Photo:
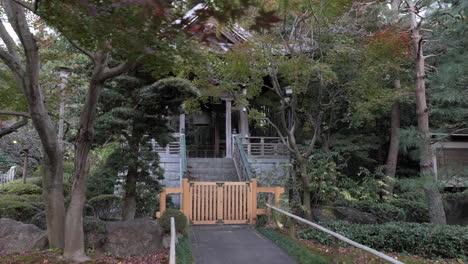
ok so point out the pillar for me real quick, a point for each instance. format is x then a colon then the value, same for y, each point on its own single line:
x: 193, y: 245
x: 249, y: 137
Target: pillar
x: 243, y: 122
x: 228, y: 129
x: 182, y: 123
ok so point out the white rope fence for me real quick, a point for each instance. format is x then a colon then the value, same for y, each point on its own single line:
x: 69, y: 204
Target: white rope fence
x: 338, y: 236
x: 172, y: 252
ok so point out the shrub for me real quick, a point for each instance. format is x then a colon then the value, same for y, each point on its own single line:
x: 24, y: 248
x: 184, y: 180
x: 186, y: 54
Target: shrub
x: 292, y: 247
x: 419, y: 239
x: 415, y: 211
x: 180, y: 219
x: 16, y: 209
x: 456, y: 195
x: 7, y: 186
x: 32, y: 198
x: 383, y: 211
x: 104, y: 206
x: 22, y: 189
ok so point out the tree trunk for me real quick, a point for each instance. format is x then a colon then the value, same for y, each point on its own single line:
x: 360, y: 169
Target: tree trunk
x: 392, y: 158
x: 305, y: 185
x: 434, y: 199
x: 74, y: 238
x: 130, y: 193
x: 132, y: 176
x: 27, y: 76
x: 25, y: 167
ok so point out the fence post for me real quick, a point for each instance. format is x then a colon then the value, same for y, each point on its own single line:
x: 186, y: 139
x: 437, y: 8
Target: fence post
x: 172, y: 254
x: 162, y: 201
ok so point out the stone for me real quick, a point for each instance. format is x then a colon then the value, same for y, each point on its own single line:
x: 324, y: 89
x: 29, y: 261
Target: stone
x: 18, y: 237
x: 133, y: 238
x: 456, y: 211
x: 39, y: 220
x: 350, y: 215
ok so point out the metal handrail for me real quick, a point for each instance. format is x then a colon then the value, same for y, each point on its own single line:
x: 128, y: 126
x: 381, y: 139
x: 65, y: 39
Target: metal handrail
x: 243, y: 167
x: 338, y: 236
x: 183, y: 157
x: 172, y: 250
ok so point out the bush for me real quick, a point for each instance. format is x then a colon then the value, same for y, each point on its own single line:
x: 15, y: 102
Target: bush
x: 419, y: 239
x: 105, y: 206
x: 32, y: 198
x: 16, y: 209
x: 383, y: 211
x: 34, y: 180
x: 180, y: 219
x: 415, y: 211
x: 292, y: 247
x: 22, y: 189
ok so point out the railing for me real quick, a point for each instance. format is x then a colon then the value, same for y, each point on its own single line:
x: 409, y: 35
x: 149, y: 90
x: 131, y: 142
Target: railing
x: 338, y: 236
x: 264, y: 146
x: 243, y: 168
x: 172, y: 149
x: 183, y: 157
x: 9, y: 176
x: 172, y: 251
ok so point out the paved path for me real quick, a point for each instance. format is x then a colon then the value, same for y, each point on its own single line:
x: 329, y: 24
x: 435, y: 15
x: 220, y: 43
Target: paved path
x: 234, y: 245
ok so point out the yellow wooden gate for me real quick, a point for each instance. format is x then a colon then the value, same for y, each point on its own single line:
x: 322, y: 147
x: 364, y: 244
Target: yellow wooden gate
x: 206, y: 203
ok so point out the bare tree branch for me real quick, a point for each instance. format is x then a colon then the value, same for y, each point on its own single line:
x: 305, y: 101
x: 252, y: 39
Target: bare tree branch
x: 14, y: 113
x: 13, y: 128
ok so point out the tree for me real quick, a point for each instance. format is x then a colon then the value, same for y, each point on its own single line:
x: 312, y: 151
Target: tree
x: 436, y: 207
x: 26, y: 72
x: 133, y: 111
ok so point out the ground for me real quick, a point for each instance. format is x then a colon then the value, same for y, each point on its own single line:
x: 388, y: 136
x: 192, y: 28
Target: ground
x: 53, y: 257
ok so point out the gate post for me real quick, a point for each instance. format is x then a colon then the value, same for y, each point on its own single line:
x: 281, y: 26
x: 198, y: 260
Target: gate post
x: 162, y: 202
x: 253, y: 201
x: 186, y: 203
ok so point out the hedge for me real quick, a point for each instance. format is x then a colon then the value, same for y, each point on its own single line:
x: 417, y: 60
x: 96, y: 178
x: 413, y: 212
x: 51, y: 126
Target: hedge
x: 22, y: 189
x: 299, y: 252
x: 16, y: 209
x: 184, y: 250
x: 104, y: 205
x: 419, y: 239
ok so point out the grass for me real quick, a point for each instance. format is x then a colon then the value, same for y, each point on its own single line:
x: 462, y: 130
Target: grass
x: 184, y: 250
x: 295, y: 249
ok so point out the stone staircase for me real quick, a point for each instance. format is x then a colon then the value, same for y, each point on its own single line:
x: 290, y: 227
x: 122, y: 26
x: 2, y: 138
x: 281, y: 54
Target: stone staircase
x: 211, y: 169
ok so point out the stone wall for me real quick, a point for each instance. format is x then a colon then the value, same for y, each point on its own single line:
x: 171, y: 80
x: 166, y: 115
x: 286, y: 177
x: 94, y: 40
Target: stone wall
x: 270, y: 171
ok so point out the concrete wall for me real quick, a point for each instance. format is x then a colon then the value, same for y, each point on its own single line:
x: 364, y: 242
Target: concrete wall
x: 270, y: 171
x: 172, y: 179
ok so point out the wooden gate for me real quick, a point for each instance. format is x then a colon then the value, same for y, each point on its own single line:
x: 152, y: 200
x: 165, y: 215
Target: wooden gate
x: 206, y: 203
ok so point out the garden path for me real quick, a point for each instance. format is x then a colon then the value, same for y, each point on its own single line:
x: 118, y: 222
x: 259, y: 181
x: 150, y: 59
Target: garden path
x: 234, y: 244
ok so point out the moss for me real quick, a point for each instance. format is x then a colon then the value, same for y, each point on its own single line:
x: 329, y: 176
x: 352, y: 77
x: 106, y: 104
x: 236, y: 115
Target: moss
x: 328, y: 212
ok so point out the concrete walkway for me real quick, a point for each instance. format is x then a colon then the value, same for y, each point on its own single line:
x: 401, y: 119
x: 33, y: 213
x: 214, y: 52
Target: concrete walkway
x: 234, y: 245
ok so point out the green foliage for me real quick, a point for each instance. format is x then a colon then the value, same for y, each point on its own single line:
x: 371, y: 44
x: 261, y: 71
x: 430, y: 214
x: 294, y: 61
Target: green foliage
x: 384, y: 212
x: 455, y: 195
x: 420, y: 239
x: 415, y: 211
x: 17, y: 210
x: 291, y: 247
x: 7, y: 186
x: 181, y: 222
x: 104, y: 205
x: 147, y: 201
x: 184, y: 250
x: 28, y: 188
x: 95, y: 232
x: 262, y: 220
